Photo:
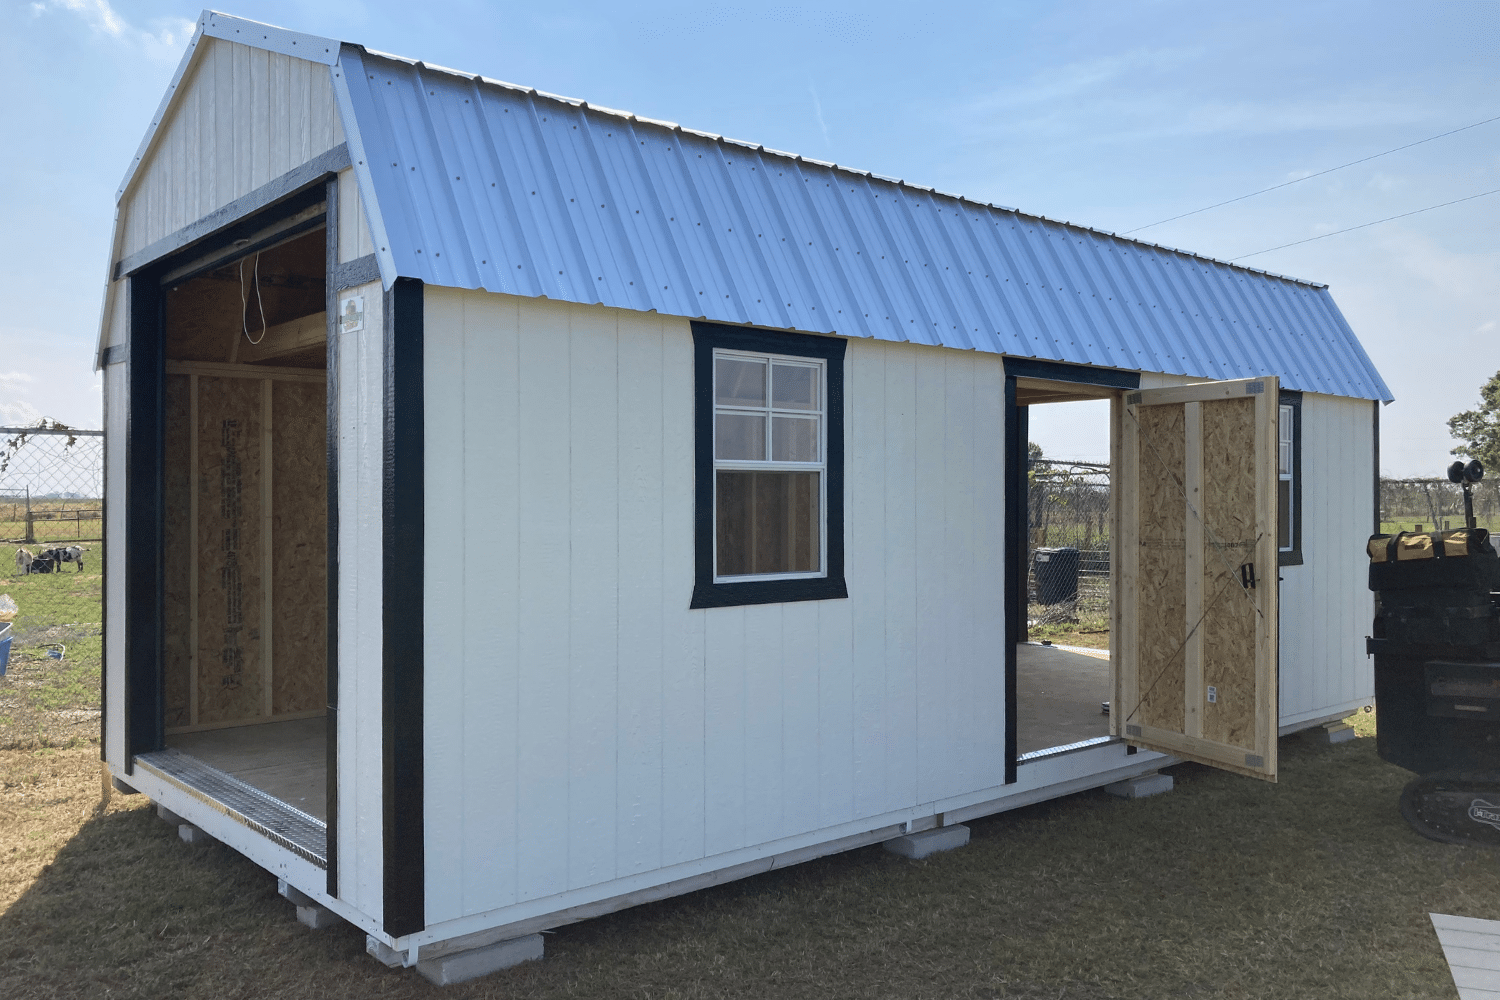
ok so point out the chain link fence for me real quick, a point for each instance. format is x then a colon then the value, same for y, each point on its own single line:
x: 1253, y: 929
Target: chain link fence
x: 1068, y: 526
x: 51, y: 583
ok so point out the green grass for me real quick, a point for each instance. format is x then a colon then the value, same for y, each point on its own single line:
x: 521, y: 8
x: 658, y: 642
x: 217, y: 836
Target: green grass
x: 46, y: 701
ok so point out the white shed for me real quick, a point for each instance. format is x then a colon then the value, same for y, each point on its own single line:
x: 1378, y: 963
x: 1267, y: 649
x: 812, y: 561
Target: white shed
x: 518, y: 509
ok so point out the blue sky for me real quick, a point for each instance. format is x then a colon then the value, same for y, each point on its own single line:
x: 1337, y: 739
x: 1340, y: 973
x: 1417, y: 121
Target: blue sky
x: 1113, y: 115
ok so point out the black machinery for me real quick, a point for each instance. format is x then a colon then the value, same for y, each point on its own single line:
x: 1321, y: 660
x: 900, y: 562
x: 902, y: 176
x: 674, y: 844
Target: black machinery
x: 1436, y: 644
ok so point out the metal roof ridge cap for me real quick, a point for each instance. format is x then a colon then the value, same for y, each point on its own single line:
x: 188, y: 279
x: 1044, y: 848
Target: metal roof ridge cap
x: 216, y: 23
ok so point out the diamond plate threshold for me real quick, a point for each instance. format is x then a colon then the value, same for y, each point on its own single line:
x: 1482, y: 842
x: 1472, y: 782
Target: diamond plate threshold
x: 303, y: 835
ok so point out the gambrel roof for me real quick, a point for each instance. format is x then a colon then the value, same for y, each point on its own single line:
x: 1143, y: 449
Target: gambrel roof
x: 472, y: 183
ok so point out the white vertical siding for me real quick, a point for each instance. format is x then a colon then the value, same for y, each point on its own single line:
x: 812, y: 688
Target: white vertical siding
x: 241, y: 118
x: 354, y: 227
x: 1326, y: 605
x: 116, y: 409
x: 361, y: 606
x: 582, y: 724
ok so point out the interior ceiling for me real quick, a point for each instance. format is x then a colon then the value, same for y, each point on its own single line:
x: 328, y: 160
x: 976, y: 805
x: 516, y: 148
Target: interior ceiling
x: 1032, y: 391
x: 215, y: 316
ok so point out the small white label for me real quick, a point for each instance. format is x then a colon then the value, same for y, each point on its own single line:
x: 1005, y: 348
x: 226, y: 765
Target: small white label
x: 1213, y: 695
x: 352, y: 314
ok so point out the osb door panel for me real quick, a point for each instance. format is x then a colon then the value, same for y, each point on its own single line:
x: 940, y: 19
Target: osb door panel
x: 1195, y: 659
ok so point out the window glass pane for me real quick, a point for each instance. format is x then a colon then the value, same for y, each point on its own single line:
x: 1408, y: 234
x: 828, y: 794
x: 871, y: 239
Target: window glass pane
x: 1284, y: 502
x: 1286, y: 459
x: 794, y: 387
x: 1285, y: 425
x: 739, y: 382
x: 740, y: 436
x: 794, y: 439
x: 767, y: 522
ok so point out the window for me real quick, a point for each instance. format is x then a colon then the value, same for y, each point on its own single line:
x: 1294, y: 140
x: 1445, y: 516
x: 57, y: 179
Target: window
x: 1289, y: 479
x: 769, y: 467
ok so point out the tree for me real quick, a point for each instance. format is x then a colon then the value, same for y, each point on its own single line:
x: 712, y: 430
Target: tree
x: 1479, y: 430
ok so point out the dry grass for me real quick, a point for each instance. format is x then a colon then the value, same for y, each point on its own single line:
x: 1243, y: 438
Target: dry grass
x: 1227, y: 888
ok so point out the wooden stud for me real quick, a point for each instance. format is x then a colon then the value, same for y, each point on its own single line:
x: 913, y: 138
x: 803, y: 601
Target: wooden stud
x: 267, y: 551
x: 219, y: 369
x: 1192, y: 687
x: 193, y: 487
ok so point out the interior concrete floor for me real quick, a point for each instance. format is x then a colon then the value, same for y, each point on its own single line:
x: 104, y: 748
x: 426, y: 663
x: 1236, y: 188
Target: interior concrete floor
x: 288, y: 760
x: 1058, y: 695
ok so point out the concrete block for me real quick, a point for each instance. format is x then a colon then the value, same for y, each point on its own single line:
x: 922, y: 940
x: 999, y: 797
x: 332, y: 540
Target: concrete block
x: 315, y: 916
x: 383, y: 953
x: 121, y: 787
x: 168, y: 816
x: 293, y: 894
x: 1333, y: 732
x: 1141, y: 786
x: 927, y: 842
x: 461, y: 966
x: 191, y: 834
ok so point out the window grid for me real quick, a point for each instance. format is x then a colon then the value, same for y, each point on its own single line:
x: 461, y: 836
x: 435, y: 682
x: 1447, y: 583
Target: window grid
x: 1284, y: 475
x: 770, y: 412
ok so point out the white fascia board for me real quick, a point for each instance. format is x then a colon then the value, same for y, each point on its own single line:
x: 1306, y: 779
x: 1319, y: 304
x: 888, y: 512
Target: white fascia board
x: 107, y: 309
x: 361, y: 165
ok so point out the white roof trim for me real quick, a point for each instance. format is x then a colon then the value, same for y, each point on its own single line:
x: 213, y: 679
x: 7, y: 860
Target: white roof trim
x: 357, y: 160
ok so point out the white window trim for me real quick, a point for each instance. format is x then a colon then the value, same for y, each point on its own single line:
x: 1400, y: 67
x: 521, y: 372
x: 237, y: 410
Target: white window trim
x: 770, y: 465
x: 1286, y: 435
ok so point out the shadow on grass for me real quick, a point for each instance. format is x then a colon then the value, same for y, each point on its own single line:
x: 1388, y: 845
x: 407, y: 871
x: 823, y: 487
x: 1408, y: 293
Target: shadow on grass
x: 1227, y: 887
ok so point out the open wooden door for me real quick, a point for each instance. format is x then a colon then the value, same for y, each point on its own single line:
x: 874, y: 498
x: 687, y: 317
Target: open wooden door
x: 1194, y: 647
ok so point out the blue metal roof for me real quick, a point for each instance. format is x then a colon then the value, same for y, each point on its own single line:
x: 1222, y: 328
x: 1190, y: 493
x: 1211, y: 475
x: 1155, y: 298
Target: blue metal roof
x: 475, y: 184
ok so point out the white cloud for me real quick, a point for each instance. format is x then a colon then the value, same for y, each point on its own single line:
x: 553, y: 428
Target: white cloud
x: 164, y: 40
x: 18, y: 413
x: 8, y: 377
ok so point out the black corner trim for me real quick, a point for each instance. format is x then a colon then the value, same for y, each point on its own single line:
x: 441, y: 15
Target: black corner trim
x: 145, y: 377
x: 296, y: 181
x: 1059, y: 371
x: 707, y: 593
x: 403, y: 523
x: 331, y: 750
x: 1375, y: 527
x: 1293, y: 556
x: 361, y: 271
x: 1015, y: 561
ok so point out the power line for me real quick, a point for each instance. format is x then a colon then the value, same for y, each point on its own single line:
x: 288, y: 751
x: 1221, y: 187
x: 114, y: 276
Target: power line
x: 1367, y: 225
x: 1320, y: 173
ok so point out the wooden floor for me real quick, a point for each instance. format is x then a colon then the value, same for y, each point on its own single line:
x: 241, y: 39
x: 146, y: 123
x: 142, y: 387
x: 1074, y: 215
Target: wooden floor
x: 286, y: 759
x: 1058, y: 696
x: 1472, y: 948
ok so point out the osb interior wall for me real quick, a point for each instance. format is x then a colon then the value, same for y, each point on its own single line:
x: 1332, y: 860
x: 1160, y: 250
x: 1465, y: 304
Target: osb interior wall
x: 299, y: 566
x: 229, y: 668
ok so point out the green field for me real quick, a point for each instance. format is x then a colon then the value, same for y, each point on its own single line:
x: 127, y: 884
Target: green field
x: 46, y: 701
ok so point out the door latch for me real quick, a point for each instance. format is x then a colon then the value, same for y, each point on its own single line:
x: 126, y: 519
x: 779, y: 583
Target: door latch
x: 1247, y: 576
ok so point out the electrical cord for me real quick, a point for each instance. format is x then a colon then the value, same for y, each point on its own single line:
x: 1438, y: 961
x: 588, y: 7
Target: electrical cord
x: 1367, y: 225
x: 1320, y: 173
x: 244, y: 304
